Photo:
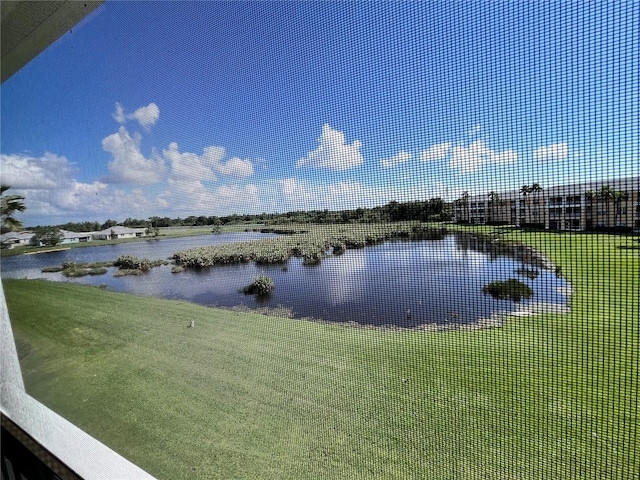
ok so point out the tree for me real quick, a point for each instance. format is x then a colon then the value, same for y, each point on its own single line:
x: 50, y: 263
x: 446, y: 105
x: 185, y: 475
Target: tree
x: 589, y: 194
x: 464, y: 202
x: 494, y: 199
x: 10, y: 205
x: 536, y: 189
x: 152, y: 226
x: 606, y: 193
x: 108, y: 224
x: 618, y: 198
x: 49, y: 236
x: 524, y: 191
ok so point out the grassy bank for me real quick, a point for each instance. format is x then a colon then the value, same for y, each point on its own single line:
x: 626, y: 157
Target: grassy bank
x: 248, y: 396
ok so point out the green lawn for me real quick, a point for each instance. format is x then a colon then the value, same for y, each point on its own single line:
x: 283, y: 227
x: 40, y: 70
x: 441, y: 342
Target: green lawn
x: 249, y: 396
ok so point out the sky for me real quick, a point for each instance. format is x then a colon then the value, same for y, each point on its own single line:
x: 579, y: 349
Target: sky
x: 215, y: 108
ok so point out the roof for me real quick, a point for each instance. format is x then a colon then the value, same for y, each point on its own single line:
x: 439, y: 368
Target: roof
x: 68, y: 234
x: 119, y: 230
x: 16, y: 235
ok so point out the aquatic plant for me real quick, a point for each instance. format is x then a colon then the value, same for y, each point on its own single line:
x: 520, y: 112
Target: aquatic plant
x: 511, y: 289
x: 127, y: 271
x: 127, y: 262
x: 51, y: 269
x: 261, y: 286
x: 312, y: 242
x: 81, y: 271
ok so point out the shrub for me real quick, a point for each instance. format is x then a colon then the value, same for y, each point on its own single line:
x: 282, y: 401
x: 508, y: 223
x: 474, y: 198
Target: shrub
x: 312, y: 258
x: 51, y: 269
x: 97, y: 271
x: 511, y: 289
x: 260, y: 286
x: 177, y: 269
x: 75, y: 272
x: 127, y: 271
x: 126, y: 262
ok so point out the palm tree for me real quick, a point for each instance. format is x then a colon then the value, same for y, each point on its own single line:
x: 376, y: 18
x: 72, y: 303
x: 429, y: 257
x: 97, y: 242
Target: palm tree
x: 618, y: 198
x: 589, y: 194
x: 494, y: 199
x: 536, y: 189
x: 524, y: 191
x: 606, y: 193
x: 464, y: 201
x: 10, y: 205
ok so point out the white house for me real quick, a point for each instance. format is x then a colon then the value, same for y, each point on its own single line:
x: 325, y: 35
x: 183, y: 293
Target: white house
x: 119, y: 232
x: 75, y: 237
x: 14, y: 239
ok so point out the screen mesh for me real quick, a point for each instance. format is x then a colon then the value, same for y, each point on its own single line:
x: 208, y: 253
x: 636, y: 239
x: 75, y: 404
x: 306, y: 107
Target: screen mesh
x: 333, y: 239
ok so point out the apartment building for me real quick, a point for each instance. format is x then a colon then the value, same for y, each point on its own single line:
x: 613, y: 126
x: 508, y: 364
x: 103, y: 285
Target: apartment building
x: 577, y: 207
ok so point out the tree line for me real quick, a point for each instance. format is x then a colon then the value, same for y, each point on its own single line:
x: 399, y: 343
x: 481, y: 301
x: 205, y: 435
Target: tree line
x: 434, y: 209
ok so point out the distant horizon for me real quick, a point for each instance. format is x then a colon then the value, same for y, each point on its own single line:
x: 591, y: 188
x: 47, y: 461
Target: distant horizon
x: 261, y: 107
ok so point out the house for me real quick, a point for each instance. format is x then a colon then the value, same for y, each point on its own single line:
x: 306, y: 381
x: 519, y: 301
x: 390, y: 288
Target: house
x: 15, y: 239
x: 119, y: 232
x: 75, y: 237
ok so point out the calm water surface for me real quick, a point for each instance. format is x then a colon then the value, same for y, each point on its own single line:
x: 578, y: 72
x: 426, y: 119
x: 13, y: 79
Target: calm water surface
x: 404, y: 283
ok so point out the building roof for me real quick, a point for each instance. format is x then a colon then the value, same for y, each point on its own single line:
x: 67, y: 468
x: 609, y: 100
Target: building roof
x: 119, y: 230
x: 70, y: 235
x: 9, y: 236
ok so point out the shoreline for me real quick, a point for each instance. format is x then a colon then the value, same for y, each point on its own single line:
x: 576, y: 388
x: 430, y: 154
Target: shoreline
x: 46, y: 251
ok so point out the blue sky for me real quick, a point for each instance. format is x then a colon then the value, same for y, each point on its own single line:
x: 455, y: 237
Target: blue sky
x: 178, y: 109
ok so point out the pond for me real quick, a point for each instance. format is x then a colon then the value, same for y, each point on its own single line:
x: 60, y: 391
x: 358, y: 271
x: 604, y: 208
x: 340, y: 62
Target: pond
x: 400, y: 283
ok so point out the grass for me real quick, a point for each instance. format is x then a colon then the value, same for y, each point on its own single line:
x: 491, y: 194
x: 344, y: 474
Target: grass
x: 245, y: 395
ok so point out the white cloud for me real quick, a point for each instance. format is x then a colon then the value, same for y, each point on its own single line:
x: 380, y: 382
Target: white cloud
x: 506, y: 157
x: 557, y: 151
x: 475, y: 156
x: 296, y: 194
x: 146, y: 116
x: 236, y: 167
x: 53, y: 195
x: 192, y: 167
x: 25, y: 172
x: 119, y: 115
x: 187, y: 193
x: 129, y: 166
x: 436, y: 152
x: 333, y: 153
x: 193, y: 198
x: 396, y: 160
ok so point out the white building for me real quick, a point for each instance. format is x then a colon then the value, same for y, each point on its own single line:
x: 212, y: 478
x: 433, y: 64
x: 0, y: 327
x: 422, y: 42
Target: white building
x: 119, y: 232
x: 15, y: 239
x: 75, y: 237
x: 579, y: 206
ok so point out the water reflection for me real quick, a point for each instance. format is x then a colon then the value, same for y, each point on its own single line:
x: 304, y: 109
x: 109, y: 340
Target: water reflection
x: 345, y: 280
x: 403, y: 283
